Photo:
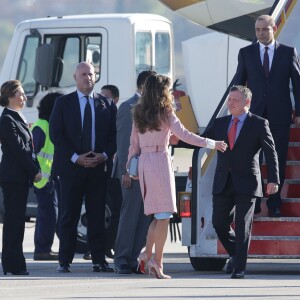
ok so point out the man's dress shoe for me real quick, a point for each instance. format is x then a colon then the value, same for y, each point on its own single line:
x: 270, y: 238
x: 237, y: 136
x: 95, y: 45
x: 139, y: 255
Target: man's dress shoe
x: 102, y: 267
x: 64, y: 268
x: 123, y: 269
x: 229, y: 267
x: 236, y: 274
x: 19, y: 273
x: 274, y: 213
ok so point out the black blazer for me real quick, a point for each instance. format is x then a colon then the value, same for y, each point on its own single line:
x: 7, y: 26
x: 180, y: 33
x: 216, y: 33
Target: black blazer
x: 272, y: 94
x: 243, y: 161
x: 17, y: 164
x: 66, y: 131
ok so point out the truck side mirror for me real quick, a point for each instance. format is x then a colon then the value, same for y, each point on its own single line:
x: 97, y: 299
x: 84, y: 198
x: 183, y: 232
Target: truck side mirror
x: 44, y: 62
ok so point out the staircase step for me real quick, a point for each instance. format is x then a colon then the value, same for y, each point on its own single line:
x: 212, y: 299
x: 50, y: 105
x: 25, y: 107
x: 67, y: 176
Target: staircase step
x: 284, y: 226
x: 294, y: 151
x: 279, y: 245
x: 270, y: 246
x: 292, y: 170
x: 291, y: 189
x: 290, y: 207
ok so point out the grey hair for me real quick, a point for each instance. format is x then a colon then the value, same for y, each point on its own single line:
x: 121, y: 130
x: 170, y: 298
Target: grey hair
x: 246, y: 93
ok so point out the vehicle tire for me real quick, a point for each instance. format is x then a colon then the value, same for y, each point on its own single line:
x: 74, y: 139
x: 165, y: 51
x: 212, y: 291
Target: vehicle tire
x: 207, y: 263
x: 81, y: 243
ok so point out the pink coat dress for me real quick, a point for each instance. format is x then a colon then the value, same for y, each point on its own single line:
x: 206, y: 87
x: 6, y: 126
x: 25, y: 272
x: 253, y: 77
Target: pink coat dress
x: 156, y: 174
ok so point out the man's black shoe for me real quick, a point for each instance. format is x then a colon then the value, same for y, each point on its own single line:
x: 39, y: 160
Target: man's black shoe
x: 64, y: 268
x: 87, y: 256
x: 123, y: 269
x: 274, y: 213
x: 237, y: 274
x: 102, y: 267
x: 229, y: 267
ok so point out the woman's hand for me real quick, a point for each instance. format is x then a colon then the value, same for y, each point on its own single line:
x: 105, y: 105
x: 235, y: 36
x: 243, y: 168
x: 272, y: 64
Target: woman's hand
x: 221, y: 146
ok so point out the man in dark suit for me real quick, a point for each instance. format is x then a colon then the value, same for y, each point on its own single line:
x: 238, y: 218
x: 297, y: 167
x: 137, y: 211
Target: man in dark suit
x: 133, y: 223
x: 267, y: 73
x: 237, y: 180
x: 114, y: 193
x: 83, y: 131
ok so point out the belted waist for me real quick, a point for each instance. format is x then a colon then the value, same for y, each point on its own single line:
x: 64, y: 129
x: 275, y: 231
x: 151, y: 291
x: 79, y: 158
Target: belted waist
x: 157, y: 148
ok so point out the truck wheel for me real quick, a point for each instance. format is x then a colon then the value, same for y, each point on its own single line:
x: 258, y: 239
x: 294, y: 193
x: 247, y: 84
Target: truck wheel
x: 81, y: 243
x: 207, y: 263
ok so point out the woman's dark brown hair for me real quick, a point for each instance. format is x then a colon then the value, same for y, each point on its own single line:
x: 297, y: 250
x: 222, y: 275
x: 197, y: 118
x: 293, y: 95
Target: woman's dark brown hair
x: 154, y: 105
x: 9, y: 89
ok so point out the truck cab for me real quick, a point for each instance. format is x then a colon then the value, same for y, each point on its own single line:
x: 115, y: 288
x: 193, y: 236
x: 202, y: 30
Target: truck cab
x: 44, y: 52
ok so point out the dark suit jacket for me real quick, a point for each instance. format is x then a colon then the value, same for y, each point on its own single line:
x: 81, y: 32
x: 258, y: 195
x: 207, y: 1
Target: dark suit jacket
x: 17, y: 164
x: 271, y: 94
x: 66, y: 131
x: 243, y: 161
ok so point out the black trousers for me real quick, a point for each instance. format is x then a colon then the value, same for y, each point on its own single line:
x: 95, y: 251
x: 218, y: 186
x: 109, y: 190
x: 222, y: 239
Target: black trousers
x: 88, y: 184
x: 14, y: 201
x: 236, y: 242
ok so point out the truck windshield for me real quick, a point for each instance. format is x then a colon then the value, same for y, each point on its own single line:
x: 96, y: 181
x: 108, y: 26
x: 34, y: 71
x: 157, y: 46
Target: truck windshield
x: 66, y: 52
x: 162, y: 53
x: 147, y: 44
x: 143, y: 52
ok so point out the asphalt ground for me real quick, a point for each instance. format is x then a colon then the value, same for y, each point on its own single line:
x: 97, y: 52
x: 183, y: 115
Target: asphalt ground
x: 265, y: 279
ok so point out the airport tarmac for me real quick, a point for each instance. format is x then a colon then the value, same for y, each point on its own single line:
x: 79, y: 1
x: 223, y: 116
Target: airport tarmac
x: 265, y: 279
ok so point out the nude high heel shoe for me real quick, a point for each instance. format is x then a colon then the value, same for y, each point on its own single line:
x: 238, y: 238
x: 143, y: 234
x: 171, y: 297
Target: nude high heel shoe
x: 155, y: 271
x: 143, y: 262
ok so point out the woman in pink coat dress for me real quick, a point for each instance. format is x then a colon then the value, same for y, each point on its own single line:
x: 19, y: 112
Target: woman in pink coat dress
x: 154, y: 122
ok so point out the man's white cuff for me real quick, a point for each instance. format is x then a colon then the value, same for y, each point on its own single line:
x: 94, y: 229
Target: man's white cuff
x: 74, y: 157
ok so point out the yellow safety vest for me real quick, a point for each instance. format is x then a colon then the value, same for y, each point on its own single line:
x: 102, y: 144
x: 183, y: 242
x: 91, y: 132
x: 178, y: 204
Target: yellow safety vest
x: 45, y: 156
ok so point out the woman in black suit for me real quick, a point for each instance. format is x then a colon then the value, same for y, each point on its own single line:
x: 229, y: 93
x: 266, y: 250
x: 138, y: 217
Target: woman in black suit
x: 18, y: 170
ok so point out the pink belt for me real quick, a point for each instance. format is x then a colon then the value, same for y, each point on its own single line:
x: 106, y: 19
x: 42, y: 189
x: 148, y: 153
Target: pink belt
x: 158, y: 148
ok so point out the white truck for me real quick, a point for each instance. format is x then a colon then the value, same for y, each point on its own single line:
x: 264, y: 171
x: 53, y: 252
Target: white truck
x: 44, y: 52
